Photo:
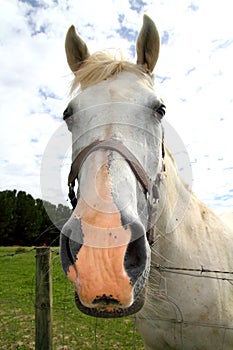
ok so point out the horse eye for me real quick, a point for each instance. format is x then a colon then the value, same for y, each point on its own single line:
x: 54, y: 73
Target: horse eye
x: 67, y: 117
x: 161, y: 110
x: 67, y: 112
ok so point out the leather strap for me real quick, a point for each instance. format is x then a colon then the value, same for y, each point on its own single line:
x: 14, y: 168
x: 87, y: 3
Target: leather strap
x: 113, y: 145
x: 150, y: 187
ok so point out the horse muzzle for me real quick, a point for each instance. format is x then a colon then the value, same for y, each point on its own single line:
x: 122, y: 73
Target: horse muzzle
x: 109, y: 268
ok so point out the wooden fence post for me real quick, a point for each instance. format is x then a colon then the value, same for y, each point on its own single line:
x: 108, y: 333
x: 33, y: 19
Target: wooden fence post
x: 43, y: 302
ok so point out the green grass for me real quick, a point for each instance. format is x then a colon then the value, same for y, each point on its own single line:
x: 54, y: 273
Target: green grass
x: 72, y: 330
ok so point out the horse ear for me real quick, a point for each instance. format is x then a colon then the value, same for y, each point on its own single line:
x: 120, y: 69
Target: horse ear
x: 148, y: 44
x: 76, y: 49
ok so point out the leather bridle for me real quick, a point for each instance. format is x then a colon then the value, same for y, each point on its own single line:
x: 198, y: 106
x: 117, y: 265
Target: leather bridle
x: 150, y: 187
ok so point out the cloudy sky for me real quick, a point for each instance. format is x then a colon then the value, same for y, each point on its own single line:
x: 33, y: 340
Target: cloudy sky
x: 194, y: 77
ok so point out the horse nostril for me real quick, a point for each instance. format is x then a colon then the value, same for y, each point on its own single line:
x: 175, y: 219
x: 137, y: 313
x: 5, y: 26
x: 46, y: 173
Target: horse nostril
x: 105, y: 300
x: 135, y: 259
x: 71, y: 241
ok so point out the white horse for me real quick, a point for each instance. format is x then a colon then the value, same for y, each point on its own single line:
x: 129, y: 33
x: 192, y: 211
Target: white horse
x: 135, y: 223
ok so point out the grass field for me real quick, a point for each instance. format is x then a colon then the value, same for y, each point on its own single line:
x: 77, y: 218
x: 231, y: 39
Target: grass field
x: 71, y: 329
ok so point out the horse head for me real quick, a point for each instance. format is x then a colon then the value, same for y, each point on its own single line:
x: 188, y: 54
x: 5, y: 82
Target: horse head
x: 117, y: 140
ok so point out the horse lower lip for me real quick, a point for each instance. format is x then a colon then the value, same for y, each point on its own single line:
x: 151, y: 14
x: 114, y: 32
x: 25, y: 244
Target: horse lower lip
x: 111, y: 311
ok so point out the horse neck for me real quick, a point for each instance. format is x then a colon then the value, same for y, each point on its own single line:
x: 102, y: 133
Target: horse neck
x: 185, y: 224
x: 175, y: 199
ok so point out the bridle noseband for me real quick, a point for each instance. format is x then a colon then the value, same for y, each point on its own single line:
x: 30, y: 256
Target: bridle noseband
x: 112, y: 145
x: 150, y: 187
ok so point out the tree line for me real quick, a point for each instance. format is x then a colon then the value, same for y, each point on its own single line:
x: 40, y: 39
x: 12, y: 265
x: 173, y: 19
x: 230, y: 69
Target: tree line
x: 25, y: 221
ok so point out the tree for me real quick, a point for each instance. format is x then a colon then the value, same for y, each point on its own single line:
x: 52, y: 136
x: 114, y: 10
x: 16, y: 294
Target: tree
x: 7, y: 216
x: 48, y: 230
x: 28, y: 221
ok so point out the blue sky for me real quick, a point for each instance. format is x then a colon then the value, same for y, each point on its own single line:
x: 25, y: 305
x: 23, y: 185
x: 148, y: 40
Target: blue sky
x: 194, y: 77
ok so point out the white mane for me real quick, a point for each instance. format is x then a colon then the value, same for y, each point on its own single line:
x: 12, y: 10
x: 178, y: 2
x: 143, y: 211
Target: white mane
x: 102, y: 65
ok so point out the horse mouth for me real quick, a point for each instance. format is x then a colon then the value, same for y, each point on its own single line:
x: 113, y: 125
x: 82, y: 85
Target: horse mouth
x: 111, y: 309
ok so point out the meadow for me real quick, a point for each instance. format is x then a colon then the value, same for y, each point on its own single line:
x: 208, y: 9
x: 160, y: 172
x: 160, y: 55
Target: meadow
x: 72, y: 330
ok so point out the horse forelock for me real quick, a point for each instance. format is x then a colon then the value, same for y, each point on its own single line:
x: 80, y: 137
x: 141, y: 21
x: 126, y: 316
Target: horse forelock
x: 102, y: 65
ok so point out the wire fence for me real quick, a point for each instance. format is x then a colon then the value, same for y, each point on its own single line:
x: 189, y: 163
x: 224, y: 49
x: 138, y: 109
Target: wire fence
x: 71, y: 329
x: 222, y: 328
x: 189, y: 272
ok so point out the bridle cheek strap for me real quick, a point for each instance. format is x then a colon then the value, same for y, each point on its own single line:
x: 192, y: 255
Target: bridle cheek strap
x: 150, y: 187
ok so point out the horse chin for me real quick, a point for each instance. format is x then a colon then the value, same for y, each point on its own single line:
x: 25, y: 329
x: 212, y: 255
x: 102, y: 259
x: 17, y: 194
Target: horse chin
x: 111, y: 311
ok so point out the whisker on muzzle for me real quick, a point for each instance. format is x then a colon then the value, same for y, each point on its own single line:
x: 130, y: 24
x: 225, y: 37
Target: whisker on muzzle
x: 105, y: 300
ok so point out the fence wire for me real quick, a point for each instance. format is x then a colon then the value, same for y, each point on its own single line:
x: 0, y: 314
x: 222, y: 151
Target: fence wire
x: 71, y: 328
x: 188, y: 272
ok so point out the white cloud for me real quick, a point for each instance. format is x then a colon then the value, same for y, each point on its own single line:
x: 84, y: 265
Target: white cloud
x: 197, y: 59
